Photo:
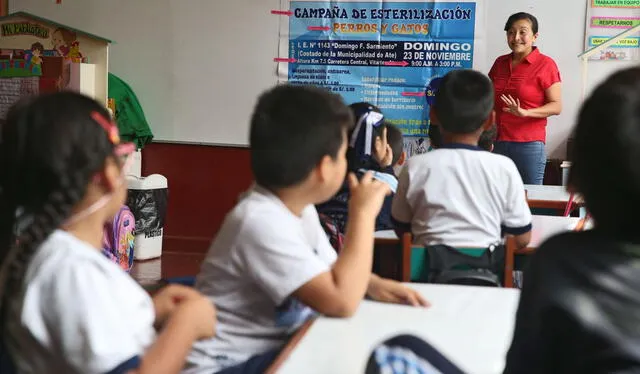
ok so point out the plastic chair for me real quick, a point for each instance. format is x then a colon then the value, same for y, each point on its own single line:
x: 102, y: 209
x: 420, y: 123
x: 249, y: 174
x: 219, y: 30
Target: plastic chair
x: 400, y: 260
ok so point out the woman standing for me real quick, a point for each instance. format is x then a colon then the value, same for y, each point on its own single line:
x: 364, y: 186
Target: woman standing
x: 527, y: 91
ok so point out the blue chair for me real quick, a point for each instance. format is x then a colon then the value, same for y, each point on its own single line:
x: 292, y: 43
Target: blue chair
x: 189, y: 281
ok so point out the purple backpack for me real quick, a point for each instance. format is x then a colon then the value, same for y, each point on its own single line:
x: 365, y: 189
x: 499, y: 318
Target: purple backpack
x: 118, y: 238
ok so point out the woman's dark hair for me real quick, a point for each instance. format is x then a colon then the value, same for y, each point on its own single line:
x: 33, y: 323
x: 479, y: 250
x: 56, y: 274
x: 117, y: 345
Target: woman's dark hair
x: 605, y: 154
x: 356, y: 160
x: 50, y: 148
x: 520, y: 16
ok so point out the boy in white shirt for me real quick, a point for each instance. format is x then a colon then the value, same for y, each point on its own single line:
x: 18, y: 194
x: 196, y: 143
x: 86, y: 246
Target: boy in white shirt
x: 271, y: 266
x: 459, y: 194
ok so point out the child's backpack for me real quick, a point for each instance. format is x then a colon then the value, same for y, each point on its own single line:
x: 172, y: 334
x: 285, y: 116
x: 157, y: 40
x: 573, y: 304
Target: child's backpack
x: 336, y: 238
x: 118, y: 238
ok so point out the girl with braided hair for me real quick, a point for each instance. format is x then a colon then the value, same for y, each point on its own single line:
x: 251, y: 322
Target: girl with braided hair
x: 65, y: 308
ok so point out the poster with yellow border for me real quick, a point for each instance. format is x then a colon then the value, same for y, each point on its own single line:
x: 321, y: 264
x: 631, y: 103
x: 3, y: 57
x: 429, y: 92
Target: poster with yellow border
x: 607, y: 18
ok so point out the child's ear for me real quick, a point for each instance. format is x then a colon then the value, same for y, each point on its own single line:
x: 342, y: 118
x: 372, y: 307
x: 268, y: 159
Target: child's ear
x: 488, y: 123
x: 402, y: 159
x: 111, y: 175
x: 323, y: 169
x: 433, y: 117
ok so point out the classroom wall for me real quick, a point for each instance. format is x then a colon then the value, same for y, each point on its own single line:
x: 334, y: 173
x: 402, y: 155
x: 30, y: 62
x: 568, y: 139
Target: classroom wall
x: 204, y: 181
x: 204, y: 184
x: 561, y: 36
x: 188, y: 61
x: 141, y: 52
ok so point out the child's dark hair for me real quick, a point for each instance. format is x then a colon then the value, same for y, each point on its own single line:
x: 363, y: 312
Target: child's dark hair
x: 463, y: 101
x: 435, y: 136
x: 520, y: 16
x: 487, y: 138
x: 50, y: 148
x: 292, y: 128
x: 394, y: 139
x: 605, y: 167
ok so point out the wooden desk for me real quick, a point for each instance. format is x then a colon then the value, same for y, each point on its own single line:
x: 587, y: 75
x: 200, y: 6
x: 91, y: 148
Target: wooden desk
x: 543, y: 227
x: 392, y: 259
x: 548, y: 197
x: 472, y: 326
x: 172, y: 264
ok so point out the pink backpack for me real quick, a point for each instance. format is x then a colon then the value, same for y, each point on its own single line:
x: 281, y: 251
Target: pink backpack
x: 118, y: 238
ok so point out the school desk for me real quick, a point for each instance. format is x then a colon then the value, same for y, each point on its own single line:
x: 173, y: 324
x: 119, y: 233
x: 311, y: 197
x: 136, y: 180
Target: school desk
x: 472, y: 326
x: 151, y: 273
x: 549, y: 197
x: 395, y: 260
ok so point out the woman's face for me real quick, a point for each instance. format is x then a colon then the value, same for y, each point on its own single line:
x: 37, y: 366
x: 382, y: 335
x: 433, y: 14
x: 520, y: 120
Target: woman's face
x: 520, y: 36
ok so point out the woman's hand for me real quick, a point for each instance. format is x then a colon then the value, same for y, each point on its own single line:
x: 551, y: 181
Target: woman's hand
x: 513, y: 106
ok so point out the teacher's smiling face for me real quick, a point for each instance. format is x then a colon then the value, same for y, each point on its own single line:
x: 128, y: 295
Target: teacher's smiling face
x: 521, y: 36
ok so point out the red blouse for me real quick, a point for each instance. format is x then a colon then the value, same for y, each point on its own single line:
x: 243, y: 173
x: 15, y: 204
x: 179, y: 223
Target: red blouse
x: 527, y: 82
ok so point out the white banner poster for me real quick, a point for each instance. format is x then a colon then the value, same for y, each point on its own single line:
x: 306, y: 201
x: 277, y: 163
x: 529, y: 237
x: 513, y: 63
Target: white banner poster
x: 607, y: 18
x: 390, y: 53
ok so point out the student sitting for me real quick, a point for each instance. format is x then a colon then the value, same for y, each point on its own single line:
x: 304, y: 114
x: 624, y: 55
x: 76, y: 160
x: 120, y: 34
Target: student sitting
x: 459, y: 195
x: 271, y: 266
x: 66, y: 308
x: 579, y: 309
x: 383, y: 154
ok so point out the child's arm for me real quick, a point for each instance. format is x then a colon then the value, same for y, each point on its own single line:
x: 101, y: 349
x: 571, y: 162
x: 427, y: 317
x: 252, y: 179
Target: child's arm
x: 522, y: 240
x: 401, y: 212
x: 517, y: 216
x: 167, y: 300
x: 105, y: 326
x: 192, y: 320
x: 338, y: 292
x: 391, y: 291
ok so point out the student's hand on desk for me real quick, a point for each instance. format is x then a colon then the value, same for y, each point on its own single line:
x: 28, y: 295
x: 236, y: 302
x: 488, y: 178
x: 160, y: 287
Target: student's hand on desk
x: 168, y: 298
x: 390, y: 291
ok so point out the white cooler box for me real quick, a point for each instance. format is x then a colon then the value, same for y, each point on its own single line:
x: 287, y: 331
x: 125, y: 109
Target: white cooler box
x: 147, y: 244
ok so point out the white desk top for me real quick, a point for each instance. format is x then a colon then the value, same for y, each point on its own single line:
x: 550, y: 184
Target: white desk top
x: 548, y: 193
x: 544, y: 227
x: 385, y: 234
x: 472, y: 326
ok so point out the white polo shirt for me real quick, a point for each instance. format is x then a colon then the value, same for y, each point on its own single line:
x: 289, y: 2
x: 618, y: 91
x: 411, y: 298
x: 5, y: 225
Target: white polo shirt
x: 80, y: 313
x: 461, y: 196
x: 261, y: 255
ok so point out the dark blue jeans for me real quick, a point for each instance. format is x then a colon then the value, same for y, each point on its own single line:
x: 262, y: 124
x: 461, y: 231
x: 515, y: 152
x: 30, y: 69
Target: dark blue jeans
x: 529, y: 158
